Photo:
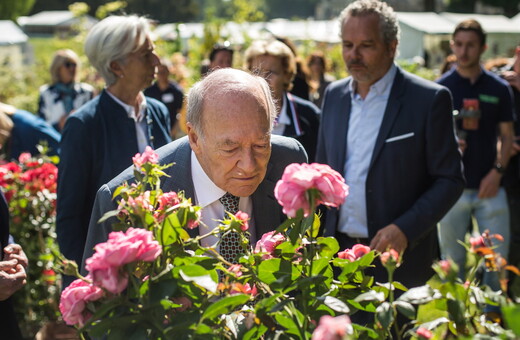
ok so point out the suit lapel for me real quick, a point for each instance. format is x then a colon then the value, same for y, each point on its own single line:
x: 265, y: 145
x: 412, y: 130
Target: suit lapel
x: 265, y: 207
x: 391, y: 112
x: 341, y: 130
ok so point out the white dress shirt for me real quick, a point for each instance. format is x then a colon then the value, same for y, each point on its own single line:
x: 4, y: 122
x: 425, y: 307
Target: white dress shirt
x: 207, y: 196
x: 365, y: 120
x: 141, y: 128
x: 282, y: 120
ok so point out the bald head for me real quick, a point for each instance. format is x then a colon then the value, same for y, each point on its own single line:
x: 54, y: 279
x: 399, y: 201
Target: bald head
x: 224, y: 86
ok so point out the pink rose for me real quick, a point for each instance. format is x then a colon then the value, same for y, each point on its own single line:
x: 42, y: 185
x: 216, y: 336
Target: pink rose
x: 168, y: 200
x: 445, y: 266
x: 357, y: 251
x: 268, y: 243
x: 332, y: 328
x: 239, y: 288
x: 148, y: 156
x: 243, y: 217
x: 392, y: 255
x: 297, y: 179
x: 111, y: 279
x: 477, y: 242
x: 424, y: 333
x: 149, y: 249
x: 24, y: 157
x: 74, y: 299
x: 236, y: 269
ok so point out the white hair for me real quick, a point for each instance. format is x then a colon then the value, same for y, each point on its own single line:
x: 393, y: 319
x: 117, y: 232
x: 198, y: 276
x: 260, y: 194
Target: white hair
x: 113, y: 39
x: 222, y: 82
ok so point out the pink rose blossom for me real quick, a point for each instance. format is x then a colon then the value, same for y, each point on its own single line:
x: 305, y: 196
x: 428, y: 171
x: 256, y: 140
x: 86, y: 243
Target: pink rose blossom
x: 424, y: 333
x: 168, y: 200
x: 268, y: 243
x: 332, y: 328
x: 387, y: 255
x: 239, y: 288
x: 120, y: 249
x: 24, y: 157
x: 445, y: 266
x: 244, y: 217
x: 148, y: 156
x: 357, y: 251
x: 74, y: 299
x: 236, y: 269
x: 297, y: 179
x: 477, y: 242
x: 111, y: 279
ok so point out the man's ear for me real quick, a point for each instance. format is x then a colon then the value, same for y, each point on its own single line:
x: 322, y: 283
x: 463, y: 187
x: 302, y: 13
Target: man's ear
x: 193, y: 137
x: 452, y: 43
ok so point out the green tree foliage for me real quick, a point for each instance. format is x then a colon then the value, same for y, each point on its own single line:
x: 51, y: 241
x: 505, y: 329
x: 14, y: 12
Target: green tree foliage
x: 12, y: 9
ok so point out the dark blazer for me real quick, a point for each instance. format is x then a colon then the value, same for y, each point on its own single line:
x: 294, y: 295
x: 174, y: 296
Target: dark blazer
x: 267, y: 213
x: 309, y: 120
x: 8, y: 323
x: 98, y: 142
x: 412, y: 181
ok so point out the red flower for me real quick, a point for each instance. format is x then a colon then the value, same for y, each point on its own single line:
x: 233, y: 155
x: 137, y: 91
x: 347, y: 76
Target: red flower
x: 424, y: 333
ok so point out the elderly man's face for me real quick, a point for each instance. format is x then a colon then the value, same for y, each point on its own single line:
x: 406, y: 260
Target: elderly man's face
x: 366, y: 55
x: 235, y: 147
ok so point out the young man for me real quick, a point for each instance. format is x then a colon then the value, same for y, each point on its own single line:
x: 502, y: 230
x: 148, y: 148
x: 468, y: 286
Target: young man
x: 484, y: 102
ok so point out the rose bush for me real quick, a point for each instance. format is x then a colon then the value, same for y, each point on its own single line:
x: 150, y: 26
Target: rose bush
x: 293, y: 284
x: 29, y: 185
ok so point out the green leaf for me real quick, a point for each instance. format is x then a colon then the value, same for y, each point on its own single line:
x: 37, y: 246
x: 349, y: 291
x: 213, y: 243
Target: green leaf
x: 107, y: 215
x: 225, y: 305
x: 288, y: 323
x: 191, y: 274
x: 406, y: 308
x: 385, y: 314
x: 371, y: 296
x: 315, y: 230
x: 362, y: 329
x: 277, y: 272
x: 328, y: 247
x: 256, y: 332
x: 419, y: 295
x: 435, y: 323
x: 162, y: 289
x: 335, y: 304
x: 512, y: 318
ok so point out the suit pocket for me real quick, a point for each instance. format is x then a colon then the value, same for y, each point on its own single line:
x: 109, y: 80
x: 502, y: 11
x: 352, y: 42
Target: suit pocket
x: 400, y: 137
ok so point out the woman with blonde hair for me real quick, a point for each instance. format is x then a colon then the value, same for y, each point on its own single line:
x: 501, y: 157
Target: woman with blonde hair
x: 297, y: 117
x: 65, y: 94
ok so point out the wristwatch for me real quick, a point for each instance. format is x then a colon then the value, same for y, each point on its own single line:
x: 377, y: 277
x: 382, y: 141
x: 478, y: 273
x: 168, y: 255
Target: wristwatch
x: 499, y: 168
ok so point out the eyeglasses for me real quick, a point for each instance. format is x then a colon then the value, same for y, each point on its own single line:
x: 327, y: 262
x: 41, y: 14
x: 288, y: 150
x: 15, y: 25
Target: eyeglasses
x: 69, y: 64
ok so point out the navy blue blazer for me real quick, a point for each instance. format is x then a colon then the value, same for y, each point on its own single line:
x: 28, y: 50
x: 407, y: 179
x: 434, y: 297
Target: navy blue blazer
x: 98, y: 142
x: 413, y: 180
x: 308, y: 116
x: 267, y: 213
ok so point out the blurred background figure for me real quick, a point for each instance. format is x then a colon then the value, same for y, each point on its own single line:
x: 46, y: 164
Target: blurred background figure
x: 509, y: 69
x: 448, y: 63
x: 100, y: 139
x: 300, y: 82
x: 168, y: 92
x: 65, y: 94
x: 221, y: 56
x: 297, y: 117
x: 21, y: 131
x: 319, y: 80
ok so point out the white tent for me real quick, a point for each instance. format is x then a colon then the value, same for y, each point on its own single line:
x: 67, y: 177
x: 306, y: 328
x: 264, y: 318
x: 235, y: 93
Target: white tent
x: 13, y: 45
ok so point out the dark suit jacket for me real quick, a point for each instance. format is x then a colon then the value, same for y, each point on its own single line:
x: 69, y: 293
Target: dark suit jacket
x: 8, y: 323
x: 411, y: 182
x: 267, y: 213
x: 309, y: 120
x: 98, y: 142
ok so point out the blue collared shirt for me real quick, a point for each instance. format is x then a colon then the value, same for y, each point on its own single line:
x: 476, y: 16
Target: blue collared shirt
x: 366, y: 116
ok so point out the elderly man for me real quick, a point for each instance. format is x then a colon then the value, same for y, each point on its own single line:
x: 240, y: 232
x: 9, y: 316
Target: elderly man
x: 229, y: 152
x: 391, y: 134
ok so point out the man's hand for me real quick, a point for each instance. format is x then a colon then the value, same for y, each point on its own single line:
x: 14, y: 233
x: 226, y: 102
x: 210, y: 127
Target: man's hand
x: 512, y: 78
x: 12, y: 278
x: 389, y: 237
x: 15, y: 251
x: 489, y: 185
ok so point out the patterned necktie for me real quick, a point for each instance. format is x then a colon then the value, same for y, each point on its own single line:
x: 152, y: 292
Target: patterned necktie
x: 230, y: 246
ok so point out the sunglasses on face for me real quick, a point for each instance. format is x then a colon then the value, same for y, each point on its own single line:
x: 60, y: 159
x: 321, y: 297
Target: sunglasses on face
x: 70, y: 64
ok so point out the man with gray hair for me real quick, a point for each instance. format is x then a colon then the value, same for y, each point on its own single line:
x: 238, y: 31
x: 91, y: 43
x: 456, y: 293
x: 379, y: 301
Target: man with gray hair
x: 391, y: 134
x: 228, y: 152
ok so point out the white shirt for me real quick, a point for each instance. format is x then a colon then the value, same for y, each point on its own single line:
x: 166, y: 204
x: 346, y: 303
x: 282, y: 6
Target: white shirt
x: 141, y: 128
x: 207, y: 196
x: 366, y: 116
